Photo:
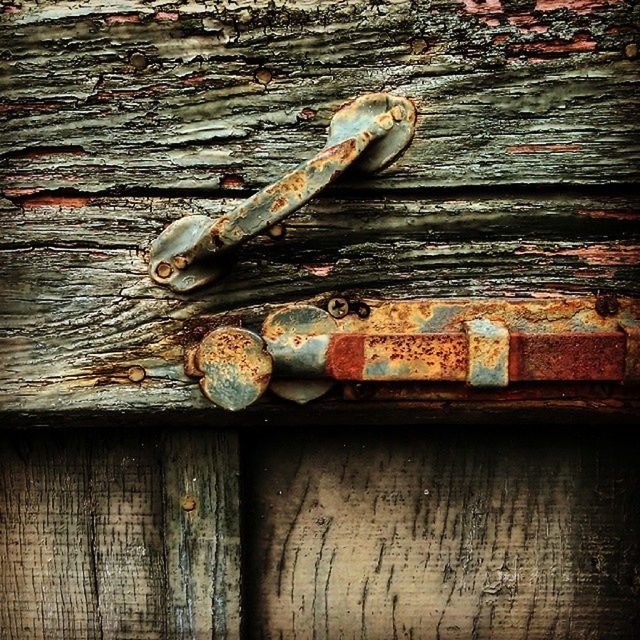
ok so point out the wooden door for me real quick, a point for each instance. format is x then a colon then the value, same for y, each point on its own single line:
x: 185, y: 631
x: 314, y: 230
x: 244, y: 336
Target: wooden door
x: 132, y: 508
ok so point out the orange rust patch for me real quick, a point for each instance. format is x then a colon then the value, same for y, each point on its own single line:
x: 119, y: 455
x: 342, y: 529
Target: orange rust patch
x: 569, y: 356
x: 232, y: 181
x: 345, y: 357
x: 543, y: 148
x: 54, y: 201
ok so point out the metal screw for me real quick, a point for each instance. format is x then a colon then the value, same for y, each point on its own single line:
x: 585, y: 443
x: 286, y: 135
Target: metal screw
x: 362, y: 310
x: 631, y: 51
x: 607, y: 304
x: 138, y: 60
x: 338, y: 307
x: 164, y: 270
x: 136, y: 374
x: 277, y: 231
x: 188, y: 503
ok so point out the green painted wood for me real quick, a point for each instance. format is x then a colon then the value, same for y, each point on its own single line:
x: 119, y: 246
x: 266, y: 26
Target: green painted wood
x: 100, y: 96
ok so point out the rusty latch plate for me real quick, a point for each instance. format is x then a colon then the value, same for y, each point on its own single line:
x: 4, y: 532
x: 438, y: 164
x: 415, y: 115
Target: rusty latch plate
x: 304, y: 349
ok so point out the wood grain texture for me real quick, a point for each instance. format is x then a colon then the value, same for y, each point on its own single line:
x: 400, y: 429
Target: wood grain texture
x: 135, y: 94
x: 201, y: 535
x: 92, y: 536
x: 435, y: 535
x: 79, y: 309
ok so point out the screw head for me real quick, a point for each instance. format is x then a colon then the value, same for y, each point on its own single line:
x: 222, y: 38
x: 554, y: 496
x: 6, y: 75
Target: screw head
x: 338, y: 307
x: 164, y: 270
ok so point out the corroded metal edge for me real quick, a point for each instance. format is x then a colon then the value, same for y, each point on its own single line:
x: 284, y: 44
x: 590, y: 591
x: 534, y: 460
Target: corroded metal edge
x: 483, y: 342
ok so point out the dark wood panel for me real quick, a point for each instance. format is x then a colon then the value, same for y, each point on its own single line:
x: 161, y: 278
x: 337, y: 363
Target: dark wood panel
x: 464, y: 533
x: 100, y: 96
x: 98, y: 540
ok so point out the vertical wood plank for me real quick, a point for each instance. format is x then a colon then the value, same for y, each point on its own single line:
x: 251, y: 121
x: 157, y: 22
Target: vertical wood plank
x: 202, y: 534
x: 127, y: 547
x: 409, y: 535
x: 47, y: 574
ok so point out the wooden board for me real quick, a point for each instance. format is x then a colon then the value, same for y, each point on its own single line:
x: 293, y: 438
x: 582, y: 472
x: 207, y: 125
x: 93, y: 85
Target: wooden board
x: 97, y: 541
x: 458, y: 533
x: 79, y: 309
x: 139, y: 95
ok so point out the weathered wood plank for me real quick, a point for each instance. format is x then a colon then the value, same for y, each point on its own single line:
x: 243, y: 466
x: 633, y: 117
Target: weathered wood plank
x: 100, y: 96
x: 371, y: 535
x: 202, y: 535
x: 94, y: 542
x: 79, y: 309
x: 48, y: 572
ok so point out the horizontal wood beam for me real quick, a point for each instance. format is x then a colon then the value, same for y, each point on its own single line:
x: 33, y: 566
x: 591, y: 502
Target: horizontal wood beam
x: 100, y: 97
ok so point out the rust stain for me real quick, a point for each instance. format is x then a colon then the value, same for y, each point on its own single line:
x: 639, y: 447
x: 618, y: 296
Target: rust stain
x: 231, y: 181
x: 195, y: 79
x: 32, y: 202
x: 569, y: 356
x: 345, y: 357
x: 544, y: 148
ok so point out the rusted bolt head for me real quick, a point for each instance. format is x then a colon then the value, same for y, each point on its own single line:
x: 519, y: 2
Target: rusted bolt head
x: 164, y: 270
x: 631, y: 50
x: 307, y: 114
x: 136, y: 373
x: 277, y: 231
x: 607, y: 304
x: 263, y: 76
x: 188, y: 503
x: 182, y: 262
x: 338, y: 307
x: 398, y: 113
x: 362, y: 310
x: 138, y: 60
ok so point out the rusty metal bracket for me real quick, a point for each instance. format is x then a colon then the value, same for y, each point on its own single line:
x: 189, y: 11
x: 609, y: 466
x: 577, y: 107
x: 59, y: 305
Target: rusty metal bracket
x: 483, y: 343
x: 368, y: 133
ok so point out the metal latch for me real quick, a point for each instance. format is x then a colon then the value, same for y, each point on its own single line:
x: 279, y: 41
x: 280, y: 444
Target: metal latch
x: 368, y: 134
x: 483, y: 343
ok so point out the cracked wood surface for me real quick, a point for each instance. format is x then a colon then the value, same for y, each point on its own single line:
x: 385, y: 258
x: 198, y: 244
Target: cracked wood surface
x: 97, y: 543
x: 368, y: 534
x: 79, y: 309
x: 142, y: 94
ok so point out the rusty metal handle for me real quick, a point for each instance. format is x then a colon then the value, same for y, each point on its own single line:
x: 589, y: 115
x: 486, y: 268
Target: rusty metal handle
x: 370, y: 133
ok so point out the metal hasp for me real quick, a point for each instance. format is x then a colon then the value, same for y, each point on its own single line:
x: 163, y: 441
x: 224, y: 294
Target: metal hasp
x: 482, y: 343
x: 367, y: 134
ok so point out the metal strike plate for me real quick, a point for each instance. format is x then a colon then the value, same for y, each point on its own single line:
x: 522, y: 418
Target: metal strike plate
x: 481, y: 343
x: 368, y: 134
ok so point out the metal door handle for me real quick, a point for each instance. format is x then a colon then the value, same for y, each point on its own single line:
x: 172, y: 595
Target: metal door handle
x: 370, y: 133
